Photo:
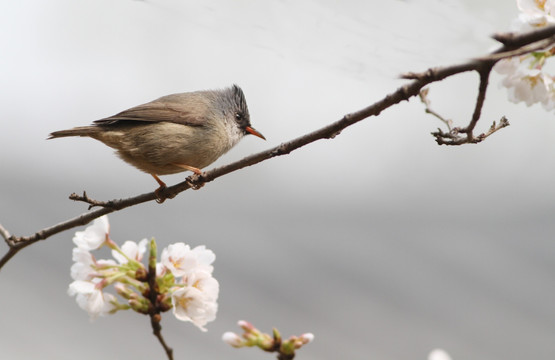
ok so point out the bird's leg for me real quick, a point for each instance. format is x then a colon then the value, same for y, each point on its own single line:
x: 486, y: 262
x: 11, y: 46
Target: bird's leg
x: 190, y: 168
x: 159, y: 199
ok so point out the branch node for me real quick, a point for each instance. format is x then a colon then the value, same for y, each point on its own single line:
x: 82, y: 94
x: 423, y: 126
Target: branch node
x: 504, y: 38
x: 92, y: 203
x: 421, y: 76
x: 282, y: 149
x: 334, y: 134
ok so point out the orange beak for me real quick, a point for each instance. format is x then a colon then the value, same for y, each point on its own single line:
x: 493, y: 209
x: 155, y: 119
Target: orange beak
x: 254, y: 132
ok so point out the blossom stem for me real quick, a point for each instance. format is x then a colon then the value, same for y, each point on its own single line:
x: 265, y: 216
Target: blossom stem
x: 154, y: 312
x: 130, y: 261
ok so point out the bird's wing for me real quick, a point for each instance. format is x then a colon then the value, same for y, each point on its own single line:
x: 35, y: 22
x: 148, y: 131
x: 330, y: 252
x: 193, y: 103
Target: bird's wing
x: 155, y: 111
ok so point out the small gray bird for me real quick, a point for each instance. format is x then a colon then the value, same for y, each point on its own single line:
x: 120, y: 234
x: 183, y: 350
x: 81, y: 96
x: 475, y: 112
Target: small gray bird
x: 174, y: 133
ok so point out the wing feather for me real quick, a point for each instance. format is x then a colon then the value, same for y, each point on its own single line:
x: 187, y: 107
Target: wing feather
x: 155, y: 111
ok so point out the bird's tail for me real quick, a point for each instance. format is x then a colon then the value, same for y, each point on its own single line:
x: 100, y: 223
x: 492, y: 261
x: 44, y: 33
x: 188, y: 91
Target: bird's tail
x: 76, y: 131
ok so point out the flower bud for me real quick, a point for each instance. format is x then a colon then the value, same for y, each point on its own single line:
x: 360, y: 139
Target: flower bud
x: 123, y: 290
x: 245, y: 325
x: 139, y: 305
x: 306, y: 338
x: 232, y: 339
x: 277, y: 335
x: 152, y: 255
x: 157, y: 318
x: 288, y: 347
x: 265, y: 342
x: 141, y: 274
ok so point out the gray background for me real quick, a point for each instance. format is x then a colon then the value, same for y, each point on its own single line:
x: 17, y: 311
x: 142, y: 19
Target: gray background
x: 380, y: 242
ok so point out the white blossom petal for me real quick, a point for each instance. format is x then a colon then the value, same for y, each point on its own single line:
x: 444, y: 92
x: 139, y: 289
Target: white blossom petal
x: 204, y: 255
x: 205, y: 282
x: 196, y: 301
x: 191, y: 304
x: 160, y: 269
x: 83, y: 268
x: 181, y: 260
x: 439, y: 354
x: 132, y: 250
x: 94, y: 235
x: 91, y: 299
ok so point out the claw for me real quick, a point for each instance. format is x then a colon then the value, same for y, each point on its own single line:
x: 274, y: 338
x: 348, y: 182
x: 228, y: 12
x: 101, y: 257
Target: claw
x: 159, y: 197
x: 193, y: 185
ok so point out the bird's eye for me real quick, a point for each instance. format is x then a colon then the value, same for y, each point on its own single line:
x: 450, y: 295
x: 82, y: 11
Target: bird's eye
x: 238, y: 116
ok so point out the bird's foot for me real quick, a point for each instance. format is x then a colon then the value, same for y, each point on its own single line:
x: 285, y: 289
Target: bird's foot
x: 194, y: 184
x: 160, y: 198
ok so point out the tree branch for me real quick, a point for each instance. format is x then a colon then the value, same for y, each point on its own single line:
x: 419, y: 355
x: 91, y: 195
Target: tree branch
x: 483, y: 66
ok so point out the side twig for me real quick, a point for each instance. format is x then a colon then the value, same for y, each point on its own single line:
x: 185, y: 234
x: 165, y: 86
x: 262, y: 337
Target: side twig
x: 458, y: 136
x: 5, y: 234
x: 92, y: 203
x: 423, y: 95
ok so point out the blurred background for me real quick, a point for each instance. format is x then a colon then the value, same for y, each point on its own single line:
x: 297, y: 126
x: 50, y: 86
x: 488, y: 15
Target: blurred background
x: 380, y: 242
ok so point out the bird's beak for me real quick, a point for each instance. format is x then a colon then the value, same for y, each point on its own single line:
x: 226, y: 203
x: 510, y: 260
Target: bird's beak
x: 254, y: 132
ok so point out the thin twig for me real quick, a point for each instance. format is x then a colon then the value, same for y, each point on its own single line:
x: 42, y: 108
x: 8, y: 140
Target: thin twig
x: 5, y: 233
x: 423, y: 95
x: 503, y: 122
x: 157, y: 331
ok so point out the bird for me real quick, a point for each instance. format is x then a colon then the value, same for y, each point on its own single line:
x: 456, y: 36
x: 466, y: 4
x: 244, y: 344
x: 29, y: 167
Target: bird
x: 174, y: 133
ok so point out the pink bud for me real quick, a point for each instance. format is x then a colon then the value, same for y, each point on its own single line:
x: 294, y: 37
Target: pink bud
x: 245, y: 325
x: 232, y: 339
x: 306, y: 338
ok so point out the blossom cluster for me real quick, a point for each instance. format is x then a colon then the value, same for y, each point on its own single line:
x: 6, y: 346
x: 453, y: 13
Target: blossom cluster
x: 525, y: 76
x: 183, y: 278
